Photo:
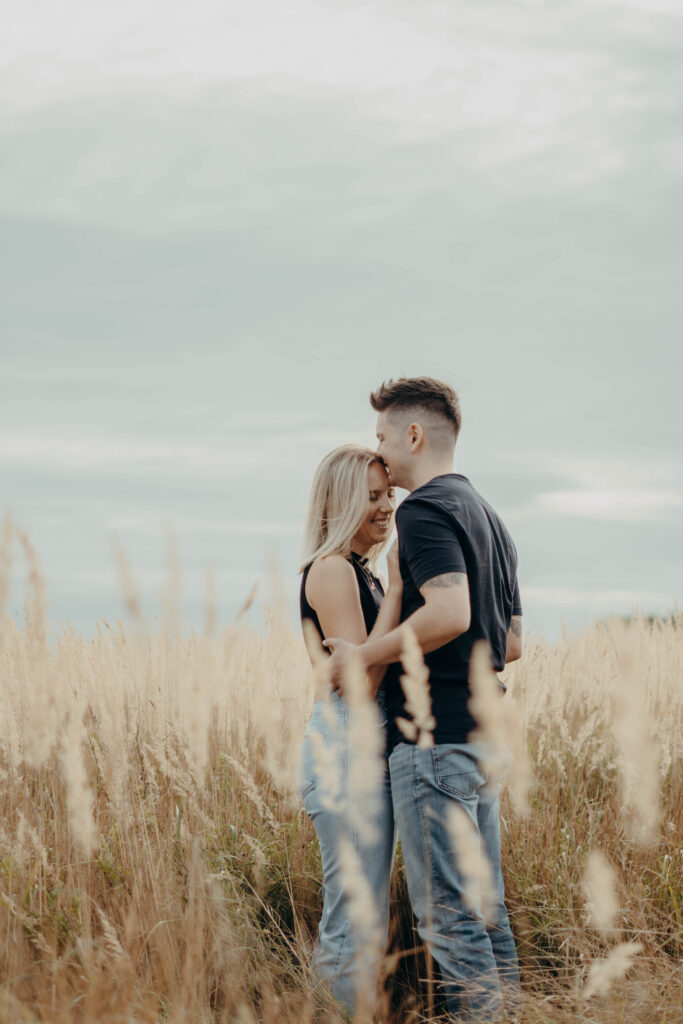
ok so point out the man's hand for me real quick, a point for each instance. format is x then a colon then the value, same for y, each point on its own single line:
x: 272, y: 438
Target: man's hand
x: 342, y: 651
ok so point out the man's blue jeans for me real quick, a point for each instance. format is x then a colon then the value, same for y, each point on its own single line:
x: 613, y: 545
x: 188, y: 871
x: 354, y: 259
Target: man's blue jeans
x: 478, y: 962
x: 336, y: 958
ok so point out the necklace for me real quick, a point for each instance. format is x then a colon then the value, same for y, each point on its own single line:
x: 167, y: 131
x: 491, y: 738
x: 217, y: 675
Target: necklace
x: 362, y: 564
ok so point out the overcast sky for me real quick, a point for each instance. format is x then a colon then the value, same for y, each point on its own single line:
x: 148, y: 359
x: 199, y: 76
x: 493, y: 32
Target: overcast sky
x: 223, y: 224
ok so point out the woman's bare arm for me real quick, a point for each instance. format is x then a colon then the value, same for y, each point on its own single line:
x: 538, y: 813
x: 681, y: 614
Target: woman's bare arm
x: 332, y: 591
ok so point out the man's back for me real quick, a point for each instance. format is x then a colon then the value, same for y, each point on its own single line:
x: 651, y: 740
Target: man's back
x: 446, y: 527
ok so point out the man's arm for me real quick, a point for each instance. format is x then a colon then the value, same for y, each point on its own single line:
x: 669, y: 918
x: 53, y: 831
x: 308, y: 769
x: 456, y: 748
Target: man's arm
x: 513, y: 650
x: 389, y: 613
x: 444, y: 616
x: 387, y: 620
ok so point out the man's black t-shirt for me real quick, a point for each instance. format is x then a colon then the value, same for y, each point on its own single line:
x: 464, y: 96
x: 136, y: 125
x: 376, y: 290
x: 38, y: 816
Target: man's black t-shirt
x: 446, y: 526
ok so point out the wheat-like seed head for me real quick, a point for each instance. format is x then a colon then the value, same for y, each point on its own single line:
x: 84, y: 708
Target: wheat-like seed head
x: 326, y: 761
x: 486, y: 707
x: 415, y: 685
x: 473, y: 863
x: 79, y: 796
x: 211, y: 611
x: 5, y: 565
x: 366, y: 765
x: 112, y: 946
x: 603, y: 973
x: 131, y: 594
x: 499, y: 729
x: 638, y: 753
x: 251, y: 789
x: 601, y: 895
x: 367, y: 933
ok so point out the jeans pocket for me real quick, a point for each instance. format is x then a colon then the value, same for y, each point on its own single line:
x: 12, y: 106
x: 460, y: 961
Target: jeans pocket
x: 306, y: 788
x: 457, y: 771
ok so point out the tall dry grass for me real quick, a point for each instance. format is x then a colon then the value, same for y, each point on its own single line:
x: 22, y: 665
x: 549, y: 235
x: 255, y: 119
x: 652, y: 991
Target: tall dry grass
x: 156, y: 865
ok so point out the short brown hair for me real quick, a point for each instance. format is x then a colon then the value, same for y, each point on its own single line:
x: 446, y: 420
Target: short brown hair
x: 420, y: 393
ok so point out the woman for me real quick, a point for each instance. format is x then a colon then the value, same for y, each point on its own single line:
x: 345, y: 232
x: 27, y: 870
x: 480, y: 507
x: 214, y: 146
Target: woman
x: 350, y: 519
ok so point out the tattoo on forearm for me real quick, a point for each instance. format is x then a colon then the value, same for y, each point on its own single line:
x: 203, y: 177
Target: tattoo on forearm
x: 448, y: 579
x: 516, y: 626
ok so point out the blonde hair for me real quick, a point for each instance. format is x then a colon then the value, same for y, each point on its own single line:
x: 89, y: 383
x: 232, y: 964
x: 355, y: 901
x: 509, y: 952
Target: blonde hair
x: 339, y: 503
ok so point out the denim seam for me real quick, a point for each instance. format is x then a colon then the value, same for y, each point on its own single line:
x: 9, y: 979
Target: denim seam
x: 417, y: 783
x: 303, y: 793
x: 342, y: 948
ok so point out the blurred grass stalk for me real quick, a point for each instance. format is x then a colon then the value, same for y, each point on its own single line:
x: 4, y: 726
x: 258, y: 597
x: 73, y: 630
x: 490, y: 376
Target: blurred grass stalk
x: 156, y: 864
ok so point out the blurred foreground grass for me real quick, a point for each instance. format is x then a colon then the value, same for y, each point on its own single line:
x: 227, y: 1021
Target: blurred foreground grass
x: 156, y: 865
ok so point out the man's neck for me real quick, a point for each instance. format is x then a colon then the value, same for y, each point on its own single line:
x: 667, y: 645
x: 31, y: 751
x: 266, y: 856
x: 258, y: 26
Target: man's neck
x: 423, y: 474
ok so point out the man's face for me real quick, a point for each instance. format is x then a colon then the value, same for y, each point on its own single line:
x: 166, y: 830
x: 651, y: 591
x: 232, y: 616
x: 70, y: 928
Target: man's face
x: 392, y: 445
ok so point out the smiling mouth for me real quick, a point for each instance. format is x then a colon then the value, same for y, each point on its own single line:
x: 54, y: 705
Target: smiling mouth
x: 381, y: 523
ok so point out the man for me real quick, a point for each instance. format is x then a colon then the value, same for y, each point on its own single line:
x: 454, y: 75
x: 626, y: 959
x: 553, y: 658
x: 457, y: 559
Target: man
x: 459, y: 570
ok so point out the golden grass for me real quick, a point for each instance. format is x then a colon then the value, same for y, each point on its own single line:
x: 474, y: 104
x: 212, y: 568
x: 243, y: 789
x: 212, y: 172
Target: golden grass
x: 156, y: 865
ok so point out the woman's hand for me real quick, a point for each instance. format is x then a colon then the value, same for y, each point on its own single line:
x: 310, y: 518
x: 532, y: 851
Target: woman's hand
x: 395, y: 581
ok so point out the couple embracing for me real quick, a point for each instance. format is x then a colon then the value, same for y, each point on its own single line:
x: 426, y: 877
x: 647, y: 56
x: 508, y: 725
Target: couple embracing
x: 453, y: 580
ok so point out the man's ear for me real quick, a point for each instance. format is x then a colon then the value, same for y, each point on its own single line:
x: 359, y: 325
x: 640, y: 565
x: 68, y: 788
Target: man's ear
x: 416, y: 436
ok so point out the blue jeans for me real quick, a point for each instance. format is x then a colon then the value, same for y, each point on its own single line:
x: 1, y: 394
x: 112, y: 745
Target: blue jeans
x: 347, y: 970
x: 477, y: 961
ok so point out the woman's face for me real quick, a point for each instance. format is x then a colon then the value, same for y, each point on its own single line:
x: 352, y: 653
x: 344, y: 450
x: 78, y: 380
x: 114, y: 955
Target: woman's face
x: 380, y: 512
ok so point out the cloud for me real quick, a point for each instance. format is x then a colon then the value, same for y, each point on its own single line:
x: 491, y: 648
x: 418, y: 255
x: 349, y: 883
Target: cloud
x: 112, y: 455
x: 609, y: 469
x: 150, y: 582
x: 240, y: 454
x: 602, y: 487
x: 225, y: 214
x: 150, y: 116
x: 628, y: 506
x: 649, y: 6
x: 154, y: 524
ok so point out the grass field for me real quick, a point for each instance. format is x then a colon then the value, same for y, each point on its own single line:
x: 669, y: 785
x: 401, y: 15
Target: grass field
x: 156, y: 865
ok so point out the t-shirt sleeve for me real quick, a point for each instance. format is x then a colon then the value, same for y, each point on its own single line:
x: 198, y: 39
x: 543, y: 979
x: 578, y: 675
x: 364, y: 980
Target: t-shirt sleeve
x: 516, y: 599
x: 428, y: 541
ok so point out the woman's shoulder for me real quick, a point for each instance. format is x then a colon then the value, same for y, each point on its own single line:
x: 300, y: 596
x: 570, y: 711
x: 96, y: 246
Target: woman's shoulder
x: 330, y: 569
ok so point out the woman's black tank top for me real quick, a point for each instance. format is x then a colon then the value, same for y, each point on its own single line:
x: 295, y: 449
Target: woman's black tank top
x: 369, y: 587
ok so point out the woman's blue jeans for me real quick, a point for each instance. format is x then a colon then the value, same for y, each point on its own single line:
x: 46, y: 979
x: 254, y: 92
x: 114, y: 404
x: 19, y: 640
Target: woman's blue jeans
x: 336, y: 959
x: 477, y: 961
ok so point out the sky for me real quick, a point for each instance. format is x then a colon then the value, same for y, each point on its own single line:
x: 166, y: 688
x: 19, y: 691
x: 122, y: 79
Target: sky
x: 223, y: 224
